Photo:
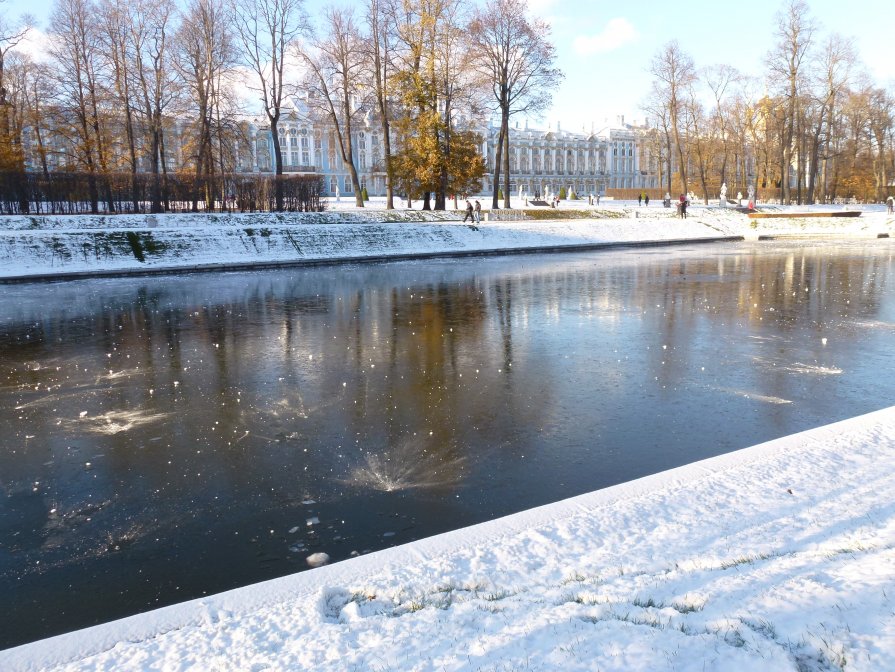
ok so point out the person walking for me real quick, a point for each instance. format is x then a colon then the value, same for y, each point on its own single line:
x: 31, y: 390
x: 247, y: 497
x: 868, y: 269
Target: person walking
x: 478, y: 212
x: 890, y: 204
x: 639, y: 199
x: 469, y: 213
x: 683, y: 206
x: 646, y: 200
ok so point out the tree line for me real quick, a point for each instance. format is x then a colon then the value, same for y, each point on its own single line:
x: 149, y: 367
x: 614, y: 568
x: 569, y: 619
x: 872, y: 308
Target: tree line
x: 124, y: 80
x: 813, y: 128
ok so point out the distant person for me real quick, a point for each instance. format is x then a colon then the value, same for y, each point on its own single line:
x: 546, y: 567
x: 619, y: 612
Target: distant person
x: 890, y: 204
x: 639, y: 199
x: 469, y: 213
x: 598, y: 199
x: 478, y: 212
x: 646, y: 200
x: 682, y: 206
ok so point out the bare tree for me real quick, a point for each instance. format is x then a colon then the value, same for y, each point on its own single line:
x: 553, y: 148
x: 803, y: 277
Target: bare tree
x: 881, y: 117
x: 203, y: 54
x: 786, y: 62
x: 335, y: 64
x: 36, y: 96
x: 267, y: 30
x: 76, y: 55
x: 674, y: 73
x: 11, y: 35
x: 721, y: 80
x: 115, y: 19
x: 834, y: 65
x: 655, y: 107
x: 151, y: 28
x: 700, y: 140
x: 381, y: 46
x: 514, y: 55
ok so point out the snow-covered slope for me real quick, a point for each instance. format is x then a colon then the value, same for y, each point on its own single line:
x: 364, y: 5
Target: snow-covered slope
x: 58, y: 246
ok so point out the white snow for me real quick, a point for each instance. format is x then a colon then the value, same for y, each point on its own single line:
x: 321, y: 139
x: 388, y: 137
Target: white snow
x: 55, y: 246
x: 776, y: 557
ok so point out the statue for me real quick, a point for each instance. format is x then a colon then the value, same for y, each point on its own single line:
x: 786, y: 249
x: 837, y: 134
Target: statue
x: 724, y: 195
x: 337, y: 193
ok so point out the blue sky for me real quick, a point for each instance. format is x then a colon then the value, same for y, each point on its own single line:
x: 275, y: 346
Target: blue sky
x: 604, y: 48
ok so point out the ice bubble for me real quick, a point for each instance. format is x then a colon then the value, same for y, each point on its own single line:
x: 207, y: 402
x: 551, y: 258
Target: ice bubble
x: 313, y: 521
x: 317, y: 559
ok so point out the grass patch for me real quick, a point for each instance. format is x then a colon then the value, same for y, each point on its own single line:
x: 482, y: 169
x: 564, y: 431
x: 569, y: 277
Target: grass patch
x: 745, y: 560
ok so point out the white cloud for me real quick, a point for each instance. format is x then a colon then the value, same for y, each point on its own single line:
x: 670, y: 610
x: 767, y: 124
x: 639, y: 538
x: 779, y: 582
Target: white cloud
x: 35, y: 45
x: 540, y: 8
x: 617, y: 33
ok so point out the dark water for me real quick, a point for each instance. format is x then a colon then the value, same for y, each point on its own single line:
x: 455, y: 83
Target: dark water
x: 167, y: 438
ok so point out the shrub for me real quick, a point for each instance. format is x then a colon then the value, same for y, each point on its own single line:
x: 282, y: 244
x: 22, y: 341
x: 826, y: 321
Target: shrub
x: 562, y: 193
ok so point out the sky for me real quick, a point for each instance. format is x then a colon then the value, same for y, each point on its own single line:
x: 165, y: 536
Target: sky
x: 604, y: 48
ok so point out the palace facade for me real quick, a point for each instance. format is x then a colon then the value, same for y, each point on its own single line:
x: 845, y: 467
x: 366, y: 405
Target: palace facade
x: 541, y: 160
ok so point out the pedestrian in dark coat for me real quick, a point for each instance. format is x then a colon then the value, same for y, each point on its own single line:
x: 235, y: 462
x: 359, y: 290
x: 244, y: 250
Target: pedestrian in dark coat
x: 469, y: 214
x: 683, y: 206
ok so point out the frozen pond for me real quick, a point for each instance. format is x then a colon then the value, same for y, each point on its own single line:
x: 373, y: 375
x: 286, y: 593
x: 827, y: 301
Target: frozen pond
x: 168, y: 437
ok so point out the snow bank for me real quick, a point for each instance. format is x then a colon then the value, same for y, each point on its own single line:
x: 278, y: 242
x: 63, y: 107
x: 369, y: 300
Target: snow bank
x: 60, y: 246
x: 776, y: 557
x: 209, y: 242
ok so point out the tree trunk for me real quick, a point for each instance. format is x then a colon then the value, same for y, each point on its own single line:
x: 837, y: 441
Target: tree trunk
x: 506, y: 161
x: 498, y: 152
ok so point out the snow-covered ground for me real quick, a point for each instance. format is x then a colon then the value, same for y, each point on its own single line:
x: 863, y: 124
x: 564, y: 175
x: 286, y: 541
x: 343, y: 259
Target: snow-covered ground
x: 59, y: 246
x: 776, y: 557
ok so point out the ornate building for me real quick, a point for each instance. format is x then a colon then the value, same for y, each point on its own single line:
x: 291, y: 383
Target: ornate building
x: 615, y: 157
